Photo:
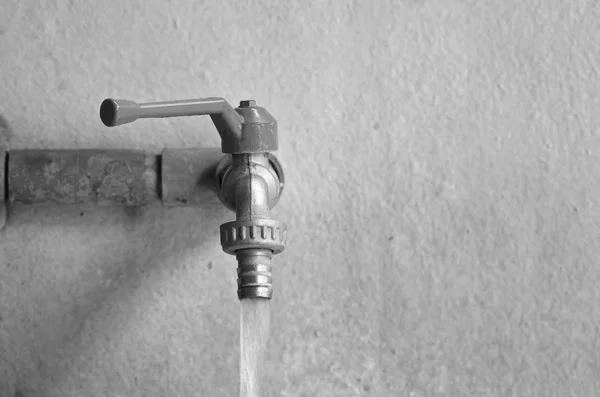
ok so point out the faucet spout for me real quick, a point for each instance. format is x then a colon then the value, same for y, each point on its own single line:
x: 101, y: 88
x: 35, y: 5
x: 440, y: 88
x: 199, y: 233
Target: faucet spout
x: 250, y: 185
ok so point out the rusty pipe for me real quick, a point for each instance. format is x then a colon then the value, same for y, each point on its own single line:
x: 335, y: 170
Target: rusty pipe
x: 174, y: 177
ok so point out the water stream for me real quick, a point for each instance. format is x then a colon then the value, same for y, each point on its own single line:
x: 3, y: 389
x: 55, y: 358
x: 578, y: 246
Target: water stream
x: 255, y: 325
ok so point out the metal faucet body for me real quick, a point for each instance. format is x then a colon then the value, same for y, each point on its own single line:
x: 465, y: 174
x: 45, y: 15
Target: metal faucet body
x: 249, y: 184
x: 249, y: 179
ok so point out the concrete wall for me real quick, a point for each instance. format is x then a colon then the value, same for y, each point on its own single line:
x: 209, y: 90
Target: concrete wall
x: 442, y: 159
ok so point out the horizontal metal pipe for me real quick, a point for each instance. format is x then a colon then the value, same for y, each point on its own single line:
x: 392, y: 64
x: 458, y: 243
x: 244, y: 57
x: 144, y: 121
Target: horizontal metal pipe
x: 110, y: 177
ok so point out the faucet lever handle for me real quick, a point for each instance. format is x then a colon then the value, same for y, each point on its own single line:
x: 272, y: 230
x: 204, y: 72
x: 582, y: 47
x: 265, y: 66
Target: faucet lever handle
x: 246, y: 129
x: 115, y: 112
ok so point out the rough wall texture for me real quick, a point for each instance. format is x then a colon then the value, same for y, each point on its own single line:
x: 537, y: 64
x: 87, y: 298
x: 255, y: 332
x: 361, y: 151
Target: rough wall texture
x: 442, y: 159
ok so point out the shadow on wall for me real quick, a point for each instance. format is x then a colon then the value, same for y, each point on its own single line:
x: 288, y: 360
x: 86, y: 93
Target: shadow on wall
x: 5, y: 135
x: 5, y: 132
x: 74, y: 279
x: 98, y: 261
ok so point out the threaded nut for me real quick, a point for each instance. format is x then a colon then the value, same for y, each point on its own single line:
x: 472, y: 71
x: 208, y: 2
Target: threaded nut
x: 253, y: 233
x: 248, y: 103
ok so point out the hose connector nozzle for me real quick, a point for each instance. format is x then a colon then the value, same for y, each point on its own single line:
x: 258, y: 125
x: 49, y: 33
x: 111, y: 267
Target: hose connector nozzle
x: 254, y: 242
x: 254, y: 273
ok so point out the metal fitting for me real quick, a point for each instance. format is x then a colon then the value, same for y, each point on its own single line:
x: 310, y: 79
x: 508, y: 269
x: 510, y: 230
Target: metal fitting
x: 253, y: 233
x: 250, y: 103
x: 249, y: 179
x: 258, y: 131
x: 254, y: 273
x: 250, y: 185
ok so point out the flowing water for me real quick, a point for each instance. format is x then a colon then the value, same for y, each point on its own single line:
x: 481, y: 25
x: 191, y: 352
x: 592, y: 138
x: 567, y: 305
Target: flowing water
x: 255, y: 325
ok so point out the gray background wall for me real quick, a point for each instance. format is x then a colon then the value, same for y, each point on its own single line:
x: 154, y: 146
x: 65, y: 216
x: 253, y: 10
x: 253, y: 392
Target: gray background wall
x: 442, y: 159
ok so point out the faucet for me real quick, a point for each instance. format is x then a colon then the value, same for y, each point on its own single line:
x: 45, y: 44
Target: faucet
x: 249, y: 179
